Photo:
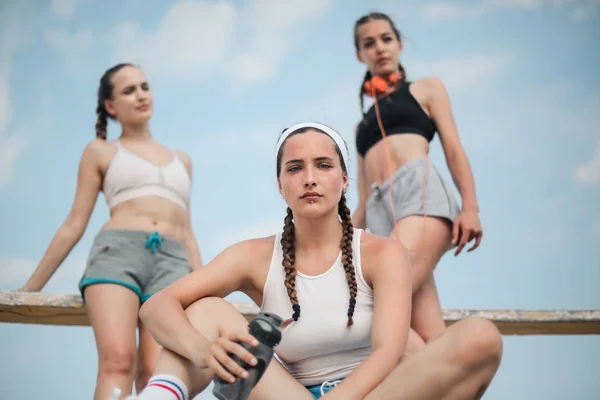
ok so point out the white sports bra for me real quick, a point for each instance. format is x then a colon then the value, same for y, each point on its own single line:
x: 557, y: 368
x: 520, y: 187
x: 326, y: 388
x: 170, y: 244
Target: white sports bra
x: 130, y: 176
x: 318, y: 347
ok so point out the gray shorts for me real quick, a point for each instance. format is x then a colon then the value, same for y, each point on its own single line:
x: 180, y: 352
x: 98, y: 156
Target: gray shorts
x: 139, y: 260
x: 407, y: 197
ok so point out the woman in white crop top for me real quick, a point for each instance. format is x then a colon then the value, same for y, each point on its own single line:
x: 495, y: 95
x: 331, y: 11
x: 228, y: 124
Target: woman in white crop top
x: 345, y: 296
x: 146, y: 244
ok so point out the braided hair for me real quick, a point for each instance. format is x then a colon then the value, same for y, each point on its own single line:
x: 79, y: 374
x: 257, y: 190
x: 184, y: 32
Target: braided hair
x: 288, y: 247
x: 105, y: 93
x: 375, y: 16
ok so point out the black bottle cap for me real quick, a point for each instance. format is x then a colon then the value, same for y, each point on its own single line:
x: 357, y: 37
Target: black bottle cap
x: 266, y: 329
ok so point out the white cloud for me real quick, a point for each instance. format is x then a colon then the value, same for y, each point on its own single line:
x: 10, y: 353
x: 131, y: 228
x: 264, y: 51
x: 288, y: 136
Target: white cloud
x: 589, y: 172
x: 273, y: 28
x: 190, y: 42
x: 63, y: 8
x: 64, y: 41
x: 463, y: 72
x: 14, y: 273
x: 11, y: 148
x: 12, y: 37
x: 550, y: 114
x: 196, y: 40
x: 585, y: 9
x: 443, y: 11
x: 71, y: 48
x: 5, y: 104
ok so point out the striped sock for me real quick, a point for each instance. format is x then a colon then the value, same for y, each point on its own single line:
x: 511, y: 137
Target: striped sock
x: 164, y: 387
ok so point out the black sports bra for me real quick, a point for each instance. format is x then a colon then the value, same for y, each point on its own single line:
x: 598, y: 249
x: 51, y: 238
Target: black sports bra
x: 400, y: 113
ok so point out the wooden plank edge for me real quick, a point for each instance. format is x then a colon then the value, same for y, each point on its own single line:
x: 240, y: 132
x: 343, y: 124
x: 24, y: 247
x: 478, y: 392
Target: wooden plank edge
x: 69, y: 310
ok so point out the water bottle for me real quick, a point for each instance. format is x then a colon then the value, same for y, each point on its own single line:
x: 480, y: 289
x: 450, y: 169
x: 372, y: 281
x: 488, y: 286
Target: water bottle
x: 266, y: 329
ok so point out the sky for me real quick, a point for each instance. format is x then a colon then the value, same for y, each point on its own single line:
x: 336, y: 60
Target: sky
x: 228, y: 76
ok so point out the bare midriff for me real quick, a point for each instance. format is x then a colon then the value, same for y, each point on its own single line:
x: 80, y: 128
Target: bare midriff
x: 402, y: 148
x: 151, y: 214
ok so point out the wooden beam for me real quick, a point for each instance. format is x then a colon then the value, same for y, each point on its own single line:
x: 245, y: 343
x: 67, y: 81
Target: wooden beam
x: 68, y: 309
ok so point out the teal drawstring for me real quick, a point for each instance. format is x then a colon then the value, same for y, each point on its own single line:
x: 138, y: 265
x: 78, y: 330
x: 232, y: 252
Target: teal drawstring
x: 153, y: 241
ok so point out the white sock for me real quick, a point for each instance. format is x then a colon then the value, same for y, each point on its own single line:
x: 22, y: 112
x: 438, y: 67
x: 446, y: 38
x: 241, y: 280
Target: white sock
x: 164, y: 387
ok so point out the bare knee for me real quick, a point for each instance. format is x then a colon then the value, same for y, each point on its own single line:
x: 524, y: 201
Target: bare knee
x: 481, y: 343
x: 117, y: 361
x: 215, y: 311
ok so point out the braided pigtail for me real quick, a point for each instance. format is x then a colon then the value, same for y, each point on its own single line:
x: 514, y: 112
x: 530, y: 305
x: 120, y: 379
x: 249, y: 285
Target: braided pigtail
x: 105, y: 90
x: 402, y: 79
x: 101, y: 122
x: 347, y: 257
x: 361, y: 93
x: 289, y: 250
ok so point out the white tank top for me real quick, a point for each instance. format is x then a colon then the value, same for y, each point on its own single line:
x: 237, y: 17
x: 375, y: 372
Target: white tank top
x: 318, y: 347
x: 130, y: 176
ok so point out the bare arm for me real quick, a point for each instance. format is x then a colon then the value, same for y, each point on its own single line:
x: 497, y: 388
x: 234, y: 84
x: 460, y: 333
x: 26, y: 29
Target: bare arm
x: 89, y: 182
x: 358, y: 217
x: 189, y: 239
x: 458, y: 164
x: 389, y: 274
x: 164, y: 313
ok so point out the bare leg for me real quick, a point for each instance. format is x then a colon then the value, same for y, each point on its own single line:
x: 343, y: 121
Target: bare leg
x: 147, y: 356
x: 427, y: 318
x: 207, y: 315
x: 414, y: 344
x: 113, y: 314
x: 458, y: 365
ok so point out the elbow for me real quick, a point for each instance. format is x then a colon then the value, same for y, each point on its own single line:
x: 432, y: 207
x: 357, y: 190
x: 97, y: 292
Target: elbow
x: 72, y: 232
x: 387, y: 358
x: 74, y: 227
x: 456, y: 154
x: 391, y: 354
x: 452, y: 155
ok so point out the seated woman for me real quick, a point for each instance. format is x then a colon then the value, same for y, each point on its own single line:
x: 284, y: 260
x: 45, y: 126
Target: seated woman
x: 345, y: 296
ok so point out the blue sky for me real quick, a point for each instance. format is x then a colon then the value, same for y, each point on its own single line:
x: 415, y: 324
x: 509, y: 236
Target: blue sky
x: 229, y: 75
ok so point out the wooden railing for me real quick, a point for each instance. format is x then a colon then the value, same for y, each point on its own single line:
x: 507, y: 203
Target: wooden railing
x: 68, y: 309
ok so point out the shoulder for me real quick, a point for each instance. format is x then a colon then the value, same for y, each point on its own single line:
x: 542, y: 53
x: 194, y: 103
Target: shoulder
x: 431, y: 82
x: 95, y: 146
x: 432, y: 85
x: 185, y: 158
x: 375, y: 248
x: 256, y: 246
x: 255, y: 251
x: 97, y: 149
x: 379, y: 254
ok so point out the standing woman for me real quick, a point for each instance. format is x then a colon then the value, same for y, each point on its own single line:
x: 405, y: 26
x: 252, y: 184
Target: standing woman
x: 401, y: 193
x: 146, y: 244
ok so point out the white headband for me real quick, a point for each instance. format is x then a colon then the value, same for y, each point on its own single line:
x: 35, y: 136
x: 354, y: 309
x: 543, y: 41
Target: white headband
x: 330, y: 132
